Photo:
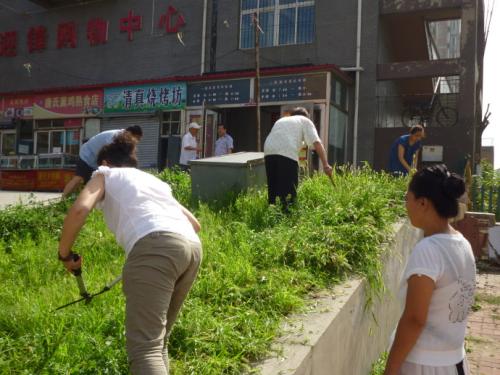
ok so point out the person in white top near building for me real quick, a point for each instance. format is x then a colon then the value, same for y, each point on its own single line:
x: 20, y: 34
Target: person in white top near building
x: 439, y: 280
x: 189, y: 147
x: 159, y: 236
x: 281, y: 154
x: 224, y: 144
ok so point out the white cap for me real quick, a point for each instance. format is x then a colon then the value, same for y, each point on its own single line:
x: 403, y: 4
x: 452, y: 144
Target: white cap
x: 194, y: 125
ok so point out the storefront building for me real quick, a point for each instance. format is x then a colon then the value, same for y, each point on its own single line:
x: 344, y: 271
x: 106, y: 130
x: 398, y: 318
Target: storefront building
x: 40, y: 149
x: 388, y: 53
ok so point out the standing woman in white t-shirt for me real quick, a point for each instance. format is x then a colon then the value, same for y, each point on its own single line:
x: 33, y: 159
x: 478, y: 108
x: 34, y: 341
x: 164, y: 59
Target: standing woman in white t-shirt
x: 159, y: 238
x: 440, y: 282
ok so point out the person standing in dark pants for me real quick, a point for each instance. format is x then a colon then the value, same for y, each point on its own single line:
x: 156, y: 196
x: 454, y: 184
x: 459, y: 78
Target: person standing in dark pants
x: 281, y: 155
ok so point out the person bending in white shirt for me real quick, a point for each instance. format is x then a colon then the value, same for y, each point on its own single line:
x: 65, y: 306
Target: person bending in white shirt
x: 439, y: 281
x: 161, y: 245
x: 281, y: 154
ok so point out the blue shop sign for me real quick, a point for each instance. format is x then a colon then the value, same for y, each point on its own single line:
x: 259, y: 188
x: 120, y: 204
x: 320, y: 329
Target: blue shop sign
x: 219, y: 92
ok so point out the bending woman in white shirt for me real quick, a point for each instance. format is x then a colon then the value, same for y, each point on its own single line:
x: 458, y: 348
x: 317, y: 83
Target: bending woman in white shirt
x: 440, y: 281
x: 159, y: 238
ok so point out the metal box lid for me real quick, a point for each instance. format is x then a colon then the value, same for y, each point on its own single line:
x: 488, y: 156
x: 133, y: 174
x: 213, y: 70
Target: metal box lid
x: 236, y: 159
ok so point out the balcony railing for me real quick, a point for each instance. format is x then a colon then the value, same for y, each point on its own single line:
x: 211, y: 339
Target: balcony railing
x: 40, y: 161
x: 438, y: 110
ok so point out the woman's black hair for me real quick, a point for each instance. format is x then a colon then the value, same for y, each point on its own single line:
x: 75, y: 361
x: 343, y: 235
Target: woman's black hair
x: 416, y: 129
x: 121, y: 152
x: 300, y: 111
x: 135, y: 130
x: 441, y: 187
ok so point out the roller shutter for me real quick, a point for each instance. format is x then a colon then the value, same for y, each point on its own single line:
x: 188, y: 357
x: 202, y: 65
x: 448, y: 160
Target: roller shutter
x: 147, y: 150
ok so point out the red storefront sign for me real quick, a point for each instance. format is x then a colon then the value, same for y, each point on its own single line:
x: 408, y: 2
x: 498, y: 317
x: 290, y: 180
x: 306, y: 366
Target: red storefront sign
x: 20, y: 106
x: 74, y: 104
x: 18, y: 180
x: 35, y: 180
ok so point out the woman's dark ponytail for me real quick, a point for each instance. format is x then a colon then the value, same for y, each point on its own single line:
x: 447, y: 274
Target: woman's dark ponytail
x: 441, y: 187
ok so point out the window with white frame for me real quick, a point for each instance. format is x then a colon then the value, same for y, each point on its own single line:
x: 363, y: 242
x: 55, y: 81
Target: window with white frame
x: 171, y: 123
x: 283, y: 22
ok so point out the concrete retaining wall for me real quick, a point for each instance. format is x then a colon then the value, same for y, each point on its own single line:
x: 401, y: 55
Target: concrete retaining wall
x: 338, y: 336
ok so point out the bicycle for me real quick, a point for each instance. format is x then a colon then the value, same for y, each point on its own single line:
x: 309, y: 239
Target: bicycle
x: 422, y: 113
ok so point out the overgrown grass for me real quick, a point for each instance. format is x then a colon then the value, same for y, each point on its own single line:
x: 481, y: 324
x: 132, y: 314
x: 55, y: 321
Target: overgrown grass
x: 258, y: 266
x: 378, y: 367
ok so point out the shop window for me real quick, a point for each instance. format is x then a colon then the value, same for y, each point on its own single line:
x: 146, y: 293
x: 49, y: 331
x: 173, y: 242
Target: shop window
x: 43, y: 124
x: 72, y: 142
x: 283, y: 22
x: 42, y: 143
x: 7, y: 143
x: 339, y: 95
x: 58, y: 142
x: 171, y: 123
x: 337, y: 136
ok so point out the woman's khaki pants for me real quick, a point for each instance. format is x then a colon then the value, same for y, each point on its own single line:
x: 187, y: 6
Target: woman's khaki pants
x: 157, y: 277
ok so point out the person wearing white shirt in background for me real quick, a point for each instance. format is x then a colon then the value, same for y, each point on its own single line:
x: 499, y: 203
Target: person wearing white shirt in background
x: 162, y: 248
x: 281, y: 154
x: 439, y: 282
x: 189, y: 147
x: 224, y: 144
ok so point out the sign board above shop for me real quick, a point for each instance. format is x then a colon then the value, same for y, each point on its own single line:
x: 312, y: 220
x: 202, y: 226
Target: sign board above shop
x: 293, y: 88
x: 219, y: 92
x: 145, y: 98
x: 16, y: 107
x: 75, y: 104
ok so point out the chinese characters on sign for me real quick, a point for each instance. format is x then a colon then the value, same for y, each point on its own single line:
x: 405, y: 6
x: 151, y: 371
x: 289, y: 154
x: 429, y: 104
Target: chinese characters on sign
x: 217, y: 93
x: 145, y: 98
x: 8, y: 44
x: 63, y: 105
x: 66, y: 35
x: 166, y: 20
x: 286, y: 88
x: 37, y: 39
x: 130, y: 24
x: 97, y: 32
x: 16, y: 107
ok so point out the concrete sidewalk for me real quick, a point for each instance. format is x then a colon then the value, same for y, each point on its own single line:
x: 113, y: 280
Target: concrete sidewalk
x: 14, y: 197
x: 483, y: 334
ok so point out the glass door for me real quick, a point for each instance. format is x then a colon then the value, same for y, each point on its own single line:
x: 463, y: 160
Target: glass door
x: 7, y: 143
x: 210, y: 131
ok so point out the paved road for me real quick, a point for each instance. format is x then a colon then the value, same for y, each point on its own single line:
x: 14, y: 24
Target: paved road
x: 13, y: 197
x: 483, y: 340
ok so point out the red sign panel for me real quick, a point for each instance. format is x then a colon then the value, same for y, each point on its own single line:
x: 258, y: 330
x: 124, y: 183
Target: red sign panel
x: 16, y: 180
x: 20, y: 106
x: 35, y: 180
x: 68, y: 105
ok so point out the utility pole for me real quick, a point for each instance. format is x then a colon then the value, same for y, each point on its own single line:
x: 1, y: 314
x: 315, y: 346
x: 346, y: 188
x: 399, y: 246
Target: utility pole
x: 213, y: 35
x: 257, y: 31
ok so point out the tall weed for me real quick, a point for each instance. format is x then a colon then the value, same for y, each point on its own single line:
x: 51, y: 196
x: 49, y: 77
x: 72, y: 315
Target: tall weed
x: 258, y: 266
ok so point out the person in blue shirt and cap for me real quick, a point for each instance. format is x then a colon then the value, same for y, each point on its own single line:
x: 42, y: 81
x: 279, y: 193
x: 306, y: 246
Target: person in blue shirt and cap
x: 87, y: 160
x: 404, y: 149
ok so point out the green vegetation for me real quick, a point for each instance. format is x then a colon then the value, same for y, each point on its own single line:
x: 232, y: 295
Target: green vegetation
x: 258, y: 266
x: 378, y: 367
x: 485, y: 190
x: 488, y: 298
